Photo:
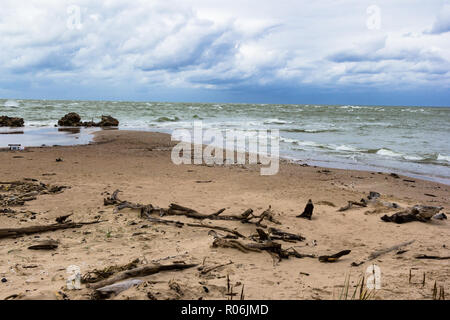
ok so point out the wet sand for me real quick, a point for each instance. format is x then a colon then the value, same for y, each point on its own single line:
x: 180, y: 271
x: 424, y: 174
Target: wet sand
x: 138, y: 163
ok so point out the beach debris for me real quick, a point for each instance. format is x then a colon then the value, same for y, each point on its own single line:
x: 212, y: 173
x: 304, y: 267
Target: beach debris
x: 45, y: 245
x: 381, y: 252
x: 16, y: 193
x: 394, y: 175
x: 15, y: 147
x: 203, y: 270
x: 273, y: 248
x: 326, y: 203
x: 350, y: 205
x: 334, y: 257
x: 59, y: 160
x: 140, y: 272
x: 307, y: 213
x: 416, y: 213
x: 6, y: 121
x: 430, y: 195
x: 98, y: 275
x: 63, y: 219
x: 177, y: 210
x: 373, y: 200
x: 424, y: 256
x: 73, y: 119
x: 276, y: 234
x: 440, y: 216
x: 16, y: 232
x: 116, y: 288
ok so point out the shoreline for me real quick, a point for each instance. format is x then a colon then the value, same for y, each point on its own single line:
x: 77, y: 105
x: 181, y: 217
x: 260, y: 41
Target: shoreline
x: 138, y: 163
x: 85, y: 138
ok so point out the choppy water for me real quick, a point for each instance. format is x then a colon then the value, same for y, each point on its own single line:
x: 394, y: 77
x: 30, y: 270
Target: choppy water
x: 410, y: 140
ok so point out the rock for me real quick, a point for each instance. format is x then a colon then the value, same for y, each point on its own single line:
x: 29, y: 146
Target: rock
x: 71, y: 119
x: 11, y: 122
x: 108, y: 121
x: 4, y: 280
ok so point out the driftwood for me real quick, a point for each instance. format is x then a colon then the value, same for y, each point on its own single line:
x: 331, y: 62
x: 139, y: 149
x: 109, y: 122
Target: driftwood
x: 16, y: 232
x: 269, y: 246
x: 276, y: 234
x: 140, y: 272
x: 204, y: 270
x: 307, y: 213
x: 378, y: 253
x: 19, y: 192
x: 334, y: 257
x: 219, y: 242
x: 180, y: 224
x: 116, y: 288
x: 350, y: 205
x: 98, y: 275
x: 424, y: 256
x: 62, y: 219
x: 179, y: 210
x: 417, y: 213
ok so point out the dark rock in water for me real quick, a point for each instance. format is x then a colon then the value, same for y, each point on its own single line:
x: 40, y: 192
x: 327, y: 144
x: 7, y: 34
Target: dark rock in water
x: 74, y: 120
x: 307, y: 213
x: 11, y: 122
x: 71, y: 119
x: 108, y: 121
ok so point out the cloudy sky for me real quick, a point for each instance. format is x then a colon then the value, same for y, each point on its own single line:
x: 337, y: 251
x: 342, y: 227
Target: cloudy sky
x: 336, y: 52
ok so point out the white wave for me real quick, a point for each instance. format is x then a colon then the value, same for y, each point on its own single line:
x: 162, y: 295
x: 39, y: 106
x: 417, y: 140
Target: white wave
x: 11, y: 104
x: 442, y: 157
x: 275, y: 121
x: 412, y: 158
x: 346, y: 148
x: 389, y: 153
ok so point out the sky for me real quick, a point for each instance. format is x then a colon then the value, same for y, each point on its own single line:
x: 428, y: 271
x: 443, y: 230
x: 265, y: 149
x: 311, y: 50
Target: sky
x: 324, y: 52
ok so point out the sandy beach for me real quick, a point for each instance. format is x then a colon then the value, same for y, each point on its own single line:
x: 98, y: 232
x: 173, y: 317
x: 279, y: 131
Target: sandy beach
x: 139, y: 165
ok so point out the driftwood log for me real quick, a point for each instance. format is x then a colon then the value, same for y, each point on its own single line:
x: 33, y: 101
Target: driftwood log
x: 275, y: 249
x: 417, y: 213
x: 378, y: 253
x: 178, y: 210
x: 116, y: 288
x: 424, y: 256
x: 140, y: 272
x: 16, y: 232
x: 334, y: 257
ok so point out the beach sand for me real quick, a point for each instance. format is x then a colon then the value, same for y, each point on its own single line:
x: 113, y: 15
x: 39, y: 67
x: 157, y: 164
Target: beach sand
x: 138, y: 163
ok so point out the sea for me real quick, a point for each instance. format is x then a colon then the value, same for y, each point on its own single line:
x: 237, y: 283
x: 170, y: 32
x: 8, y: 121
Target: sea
x: 414, y: 141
